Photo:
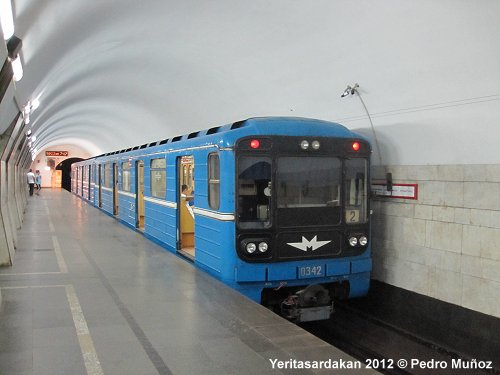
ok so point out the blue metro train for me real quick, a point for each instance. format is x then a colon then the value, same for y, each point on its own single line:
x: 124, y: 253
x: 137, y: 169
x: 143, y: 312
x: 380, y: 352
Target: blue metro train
x: 276, y: 208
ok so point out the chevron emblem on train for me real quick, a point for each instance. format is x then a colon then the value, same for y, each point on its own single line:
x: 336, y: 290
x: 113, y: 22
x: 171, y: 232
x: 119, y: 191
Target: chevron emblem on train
x: 305, y: 245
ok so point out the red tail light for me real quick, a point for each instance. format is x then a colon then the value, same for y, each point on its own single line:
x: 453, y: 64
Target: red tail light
x: 255, y: 143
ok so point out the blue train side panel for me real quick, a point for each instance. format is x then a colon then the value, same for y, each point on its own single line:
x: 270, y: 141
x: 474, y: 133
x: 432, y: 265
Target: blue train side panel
x: 216, y: 229
x: 126, y: 208
x: 107, y: 200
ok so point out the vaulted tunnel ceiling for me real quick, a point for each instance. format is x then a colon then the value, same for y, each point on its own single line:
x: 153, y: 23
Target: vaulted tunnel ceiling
x: 111, y: 74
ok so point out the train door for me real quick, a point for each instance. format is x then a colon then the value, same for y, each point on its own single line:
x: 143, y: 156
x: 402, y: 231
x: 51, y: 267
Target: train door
x: 89, y: 181
x: 76, y: 170
x: 139, y: 188
x: 185, y: 204
x: 82, y: 178
x: 99, y: 179
x: 115, y: 188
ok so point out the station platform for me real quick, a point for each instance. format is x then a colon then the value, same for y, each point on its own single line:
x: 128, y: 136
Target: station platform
x: 87, y: 295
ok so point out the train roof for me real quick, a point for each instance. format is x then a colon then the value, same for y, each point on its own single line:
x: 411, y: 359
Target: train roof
x: 227, y: 135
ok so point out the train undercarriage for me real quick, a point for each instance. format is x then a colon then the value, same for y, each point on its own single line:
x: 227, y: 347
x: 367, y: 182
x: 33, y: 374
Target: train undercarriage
x: 305, y: 303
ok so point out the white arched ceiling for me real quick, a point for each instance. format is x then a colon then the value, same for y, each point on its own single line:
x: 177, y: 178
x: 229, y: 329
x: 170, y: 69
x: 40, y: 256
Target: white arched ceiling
x: 113, y: 74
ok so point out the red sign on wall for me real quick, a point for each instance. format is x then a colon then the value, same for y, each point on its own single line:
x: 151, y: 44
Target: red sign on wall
x: 56, y: 153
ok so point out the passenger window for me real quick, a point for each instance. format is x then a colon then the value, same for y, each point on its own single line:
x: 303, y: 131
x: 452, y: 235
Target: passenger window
x: 158, y: 177
x: 107, y: 175
x: 126, y: 176
x: 214, y: 181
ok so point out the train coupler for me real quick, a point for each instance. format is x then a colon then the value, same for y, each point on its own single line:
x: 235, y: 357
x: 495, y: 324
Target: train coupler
x: 308, y: 304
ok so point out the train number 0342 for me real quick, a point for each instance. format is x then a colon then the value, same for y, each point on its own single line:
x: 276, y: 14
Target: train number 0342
x: 311, y: 271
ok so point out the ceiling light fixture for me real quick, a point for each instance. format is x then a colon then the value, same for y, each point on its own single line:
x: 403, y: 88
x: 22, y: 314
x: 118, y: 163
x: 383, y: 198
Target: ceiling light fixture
x: 14, y: 45
x: 350, y: 90
x: 35, y: 103
x: 17, y: 68
x: 6, y: 19
x: 354, y: 90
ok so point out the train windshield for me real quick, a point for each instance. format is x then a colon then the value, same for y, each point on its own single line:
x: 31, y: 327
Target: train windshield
x: 304, y: 190
x: 305, y: 182
x: 356, y: 191
x: 254, y: 192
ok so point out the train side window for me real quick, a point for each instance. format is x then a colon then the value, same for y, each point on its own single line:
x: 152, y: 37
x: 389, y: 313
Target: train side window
x: 214, y: 181
x: 126, y: 176
x: 158, y: 177
x: 101, y: 175
x: 84, y: 174
x: 107, y: 175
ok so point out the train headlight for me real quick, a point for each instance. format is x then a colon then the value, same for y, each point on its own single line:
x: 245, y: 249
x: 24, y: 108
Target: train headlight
x: 353, y: 241
x: 363, y: 240
x: 250, y: 248
x: 315, y: 145
x: 304, y: 145
x: 263, y: 247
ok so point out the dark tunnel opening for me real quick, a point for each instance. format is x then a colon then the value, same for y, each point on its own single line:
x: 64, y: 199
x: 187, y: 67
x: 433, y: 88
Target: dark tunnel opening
x: 65, y: 167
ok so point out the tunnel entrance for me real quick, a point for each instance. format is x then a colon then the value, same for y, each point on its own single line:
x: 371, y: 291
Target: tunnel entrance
x: 65, y: 167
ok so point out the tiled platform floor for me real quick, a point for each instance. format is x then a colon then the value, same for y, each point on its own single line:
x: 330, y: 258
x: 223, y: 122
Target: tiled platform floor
x: 86, y: 295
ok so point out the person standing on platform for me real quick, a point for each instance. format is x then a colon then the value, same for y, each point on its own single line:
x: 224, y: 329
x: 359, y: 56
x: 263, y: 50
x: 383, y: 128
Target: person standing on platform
x: 30, y: 176
x: 38, y: 182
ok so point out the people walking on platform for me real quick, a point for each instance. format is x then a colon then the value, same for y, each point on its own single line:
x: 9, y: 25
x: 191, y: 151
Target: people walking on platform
x: 30, y: 176
x: 38, y: 182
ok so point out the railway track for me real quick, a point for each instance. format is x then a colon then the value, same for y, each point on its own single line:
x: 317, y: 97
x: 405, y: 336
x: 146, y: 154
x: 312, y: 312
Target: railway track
x: 391, y: 349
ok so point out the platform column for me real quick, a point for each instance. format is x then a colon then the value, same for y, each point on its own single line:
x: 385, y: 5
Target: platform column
x: 7, y: 229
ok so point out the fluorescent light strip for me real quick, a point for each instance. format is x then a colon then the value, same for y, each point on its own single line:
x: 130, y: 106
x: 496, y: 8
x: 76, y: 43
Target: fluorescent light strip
x: 6, y: 19
x: 17, y: 68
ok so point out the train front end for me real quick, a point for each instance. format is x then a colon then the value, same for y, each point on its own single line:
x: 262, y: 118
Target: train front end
x: 302, y: 226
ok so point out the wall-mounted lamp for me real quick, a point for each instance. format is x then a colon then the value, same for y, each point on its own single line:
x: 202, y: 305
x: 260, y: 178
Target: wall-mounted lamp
x: 349, y: 90
x: 14, y: 46
x: 354, y: 90
x: 35, y: 103
x: 28, y: 109
x: 17, y: 68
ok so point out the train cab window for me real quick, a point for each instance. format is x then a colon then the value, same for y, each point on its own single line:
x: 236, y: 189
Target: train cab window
x: 214, y: 181
x: 305, y: 182
x: 356, y: 191
x: 126, y: 176
x: 158, y: 177
x: 254, y: 192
